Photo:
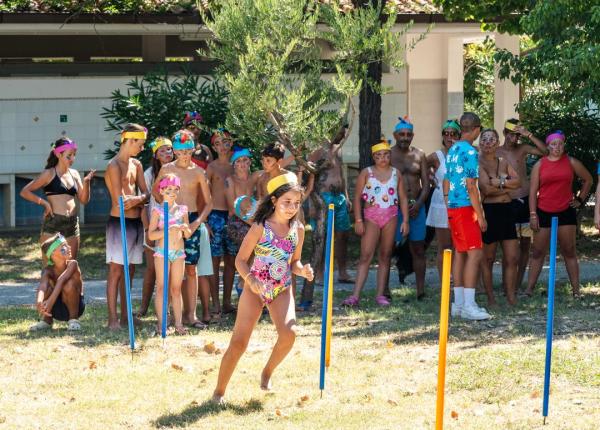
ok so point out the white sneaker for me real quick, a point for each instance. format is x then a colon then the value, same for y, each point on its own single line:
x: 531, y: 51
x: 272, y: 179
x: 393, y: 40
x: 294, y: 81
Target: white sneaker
x: 474, y: 313
x: 455, y: 310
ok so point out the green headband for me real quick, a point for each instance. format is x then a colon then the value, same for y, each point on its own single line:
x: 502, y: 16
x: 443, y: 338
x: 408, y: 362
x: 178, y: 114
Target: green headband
x: 451, y: 124
x: 57, y: 242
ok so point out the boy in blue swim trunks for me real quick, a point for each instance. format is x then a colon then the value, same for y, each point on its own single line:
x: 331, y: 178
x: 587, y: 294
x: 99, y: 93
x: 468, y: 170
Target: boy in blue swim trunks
x: 220, y: 247
x: 412, y: 163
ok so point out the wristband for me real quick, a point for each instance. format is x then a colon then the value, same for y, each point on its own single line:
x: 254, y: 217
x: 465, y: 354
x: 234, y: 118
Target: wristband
x: 39, y: 201
x: 358, y: 220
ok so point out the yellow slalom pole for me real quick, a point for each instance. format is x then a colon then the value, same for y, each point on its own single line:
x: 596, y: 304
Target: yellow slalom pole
x: 330, y: 296
x: 444, y: 310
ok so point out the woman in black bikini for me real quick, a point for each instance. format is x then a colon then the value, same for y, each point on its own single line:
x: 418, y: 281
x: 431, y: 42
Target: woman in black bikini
x: 496, y: 178
x: 61, y: 185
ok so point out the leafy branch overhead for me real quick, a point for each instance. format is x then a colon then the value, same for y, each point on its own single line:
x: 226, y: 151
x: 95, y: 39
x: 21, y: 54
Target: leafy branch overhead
x: 293, y: 67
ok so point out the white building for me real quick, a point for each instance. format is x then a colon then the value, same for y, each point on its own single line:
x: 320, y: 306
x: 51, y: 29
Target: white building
x: 56, y: 76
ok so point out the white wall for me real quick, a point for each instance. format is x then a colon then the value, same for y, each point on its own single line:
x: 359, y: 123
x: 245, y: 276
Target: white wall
x: 30, y: 110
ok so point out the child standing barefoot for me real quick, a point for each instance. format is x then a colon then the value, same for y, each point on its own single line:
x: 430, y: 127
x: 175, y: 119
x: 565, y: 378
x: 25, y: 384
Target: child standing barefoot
x: 275, y: 239
x: 178, y: 227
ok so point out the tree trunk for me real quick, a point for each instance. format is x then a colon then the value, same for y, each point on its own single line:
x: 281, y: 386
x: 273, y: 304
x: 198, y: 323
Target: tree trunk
x: 318, y: 243
x: 369, y: 125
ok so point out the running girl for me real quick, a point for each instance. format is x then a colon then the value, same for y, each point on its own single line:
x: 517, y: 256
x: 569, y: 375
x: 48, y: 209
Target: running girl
x: 179, y: 228
x: 275, y: 239
x: 382, y: 189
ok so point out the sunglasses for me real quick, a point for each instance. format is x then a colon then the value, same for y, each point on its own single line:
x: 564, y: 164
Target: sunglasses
x: 449, y: 133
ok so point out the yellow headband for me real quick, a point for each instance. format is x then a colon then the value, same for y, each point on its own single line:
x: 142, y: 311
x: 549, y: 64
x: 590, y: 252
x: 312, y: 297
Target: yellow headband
x: 381, y: 146
x: 133, y: 135
x: 510, y: 126
x: 161, y: 141
x: 278, y: 181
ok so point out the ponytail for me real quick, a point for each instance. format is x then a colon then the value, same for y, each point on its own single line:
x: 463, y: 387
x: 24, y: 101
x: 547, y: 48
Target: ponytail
x: 52, y: 160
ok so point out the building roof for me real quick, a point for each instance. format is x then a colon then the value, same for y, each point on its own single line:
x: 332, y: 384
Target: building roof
x: 116, y: 7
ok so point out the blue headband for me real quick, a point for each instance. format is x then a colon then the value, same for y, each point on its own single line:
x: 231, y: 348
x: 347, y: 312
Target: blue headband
x: 244, y: 152
x: 403, y: 124
x: 182, y: 142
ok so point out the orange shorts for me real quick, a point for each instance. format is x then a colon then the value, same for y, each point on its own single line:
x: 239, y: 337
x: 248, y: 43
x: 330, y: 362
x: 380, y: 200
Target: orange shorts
x: 466, y: 234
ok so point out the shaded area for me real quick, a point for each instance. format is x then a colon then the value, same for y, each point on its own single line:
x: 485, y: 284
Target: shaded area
x: 195, y: 412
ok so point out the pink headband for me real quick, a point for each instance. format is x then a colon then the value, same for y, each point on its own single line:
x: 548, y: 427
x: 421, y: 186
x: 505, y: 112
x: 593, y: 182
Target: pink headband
x: 165, y: 182
x: 69, y: 145
x: 555, y: 135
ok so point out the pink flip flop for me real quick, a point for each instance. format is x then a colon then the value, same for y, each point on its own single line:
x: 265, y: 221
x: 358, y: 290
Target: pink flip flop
x: 351, y: 301
x: 382, y: 301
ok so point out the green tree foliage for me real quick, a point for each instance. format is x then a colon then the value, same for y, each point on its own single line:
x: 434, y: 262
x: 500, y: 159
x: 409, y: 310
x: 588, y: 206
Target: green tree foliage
x: 96, y: 6
x: 280, y: 87
x: 159, y: 102
x: 559, y: 72
x: 479, y: 80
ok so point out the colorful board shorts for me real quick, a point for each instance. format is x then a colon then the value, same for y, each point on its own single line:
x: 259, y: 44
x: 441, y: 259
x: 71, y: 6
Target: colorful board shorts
x: 134, y: 231
x: 60, y: 311
x: 520, y: 209
x: 464, y: 227
x: 501, y: 222
x: 68, y: 226
x: 236, y: 232
x: 191, y: 246
x: 566, y: 217
x: 417, y: 225
x: 219, y: 243
x: 204, y: 266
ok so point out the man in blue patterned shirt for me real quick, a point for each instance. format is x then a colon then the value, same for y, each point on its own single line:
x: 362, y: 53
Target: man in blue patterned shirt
x: 465, y: 217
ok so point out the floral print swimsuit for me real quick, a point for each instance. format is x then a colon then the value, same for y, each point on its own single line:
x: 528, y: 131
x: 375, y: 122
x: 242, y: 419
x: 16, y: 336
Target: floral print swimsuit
x: 272, y: 259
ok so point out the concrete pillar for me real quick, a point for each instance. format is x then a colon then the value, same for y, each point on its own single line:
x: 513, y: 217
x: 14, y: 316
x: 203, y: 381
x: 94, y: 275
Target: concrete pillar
x: 154, y: 48
x: 455, y: 85
x: 12, y: 216
x: 506, y: 94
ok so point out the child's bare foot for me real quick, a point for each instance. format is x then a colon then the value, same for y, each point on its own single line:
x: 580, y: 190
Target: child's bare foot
x: 113, y: 325
x: 228, y: 309
x: 217, y: 399
x: 181, y: 330
x: 265, y: 382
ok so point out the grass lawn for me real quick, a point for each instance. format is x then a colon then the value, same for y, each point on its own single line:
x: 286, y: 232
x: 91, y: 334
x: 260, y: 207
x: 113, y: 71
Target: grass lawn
x: 382, y: 375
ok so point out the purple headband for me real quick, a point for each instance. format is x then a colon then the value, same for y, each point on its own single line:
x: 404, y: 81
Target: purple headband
x: 165, y: 182
x: 62, y: 148
x: 556, y: 135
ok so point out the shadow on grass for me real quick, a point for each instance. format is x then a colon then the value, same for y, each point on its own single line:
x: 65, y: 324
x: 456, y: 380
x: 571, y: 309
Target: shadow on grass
x: 195, y: 412
x: 408, y: 321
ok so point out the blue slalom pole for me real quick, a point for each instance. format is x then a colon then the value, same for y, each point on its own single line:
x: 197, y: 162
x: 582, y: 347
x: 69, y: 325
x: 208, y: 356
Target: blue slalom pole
x: 324, y: 315
x: 127, y: 278
x: 165, y: 271
x: 550, y: 319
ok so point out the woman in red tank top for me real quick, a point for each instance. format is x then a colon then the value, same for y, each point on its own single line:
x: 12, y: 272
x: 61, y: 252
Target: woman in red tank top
x: 551, y: 195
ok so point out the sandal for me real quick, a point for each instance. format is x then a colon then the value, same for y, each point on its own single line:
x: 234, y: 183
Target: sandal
x: 197, y: 324
x: 351, y: 301
x: 74, y: 325
x: 382, y: 301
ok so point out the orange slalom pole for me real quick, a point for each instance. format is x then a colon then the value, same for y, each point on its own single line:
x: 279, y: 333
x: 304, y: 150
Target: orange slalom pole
x: 330, y: 295
x: 444, y: 310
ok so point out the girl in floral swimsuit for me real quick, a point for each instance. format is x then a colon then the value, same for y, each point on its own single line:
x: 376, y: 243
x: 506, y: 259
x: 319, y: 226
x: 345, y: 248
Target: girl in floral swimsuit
x: 275, y: 238
x: 178, y: 229
x: 381, y: 188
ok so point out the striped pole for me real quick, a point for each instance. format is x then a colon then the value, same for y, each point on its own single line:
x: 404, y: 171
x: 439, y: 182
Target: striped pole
x: 330, y: 290
x: 443, y: 340
x: 550, y: 317
x: 165, y: 304
x: 127, y: 278
x: 325, y: 313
